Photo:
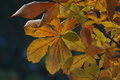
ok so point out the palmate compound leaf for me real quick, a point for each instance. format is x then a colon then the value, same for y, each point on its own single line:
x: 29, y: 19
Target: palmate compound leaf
x: 32, y: 28
x: 57, y: 56
x: 73, y: 41
x: 74, y: 62
x: 33, y: 9
x: 38, y: 48
x: 80, y: 74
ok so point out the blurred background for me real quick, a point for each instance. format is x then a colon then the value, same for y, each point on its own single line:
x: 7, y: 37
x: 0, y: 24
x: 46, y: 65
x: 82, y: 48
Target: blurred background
x: 13, y: 46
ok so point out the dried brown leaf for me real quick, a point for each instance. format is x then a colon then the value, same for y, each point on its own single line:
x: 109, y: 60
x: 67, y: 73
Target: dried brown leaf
x: 111, y: 6
x: 50, y: 14
x: 33, y: 9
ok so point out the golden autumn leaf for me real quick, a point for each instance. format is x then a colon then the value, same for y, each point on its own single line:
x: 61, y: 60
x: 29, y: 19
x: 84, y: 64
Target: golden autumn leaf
x: 74, y: 62
x: 111, y: 6
x: 80, y: 74
x: 64, y: 54
x: 52, y: 60
x: 57, y: 56
x: 32, y: 28
x: 86, y: 36
x: 50, y: 14
x: 38, y: 48
x: 33, y: 9
x: 68, y: 24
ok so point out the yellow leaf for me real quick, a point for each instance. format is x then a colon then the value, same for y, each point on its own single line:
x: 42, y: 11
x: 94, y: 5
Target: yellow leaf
x: 57, y: 56
x: 52, y: 60
x: 65, y: 53
x: 33, y: 9
x: 74, y: 62
x: 68, y: 25
x: 50, y: 14
x: 38, y: 48
x: 101, y: 5
x: 56, y: 25
x: 80, y: 74
x: 92, y: 15
x: 32, y: 28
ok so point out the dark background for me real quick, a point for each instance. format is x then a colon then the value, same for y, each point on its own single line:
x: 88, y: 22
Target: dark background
x: 13, y: 46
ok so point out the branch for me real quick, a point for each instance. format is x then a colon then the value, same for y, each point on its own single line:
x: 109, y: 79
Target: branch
x: 101, y: 29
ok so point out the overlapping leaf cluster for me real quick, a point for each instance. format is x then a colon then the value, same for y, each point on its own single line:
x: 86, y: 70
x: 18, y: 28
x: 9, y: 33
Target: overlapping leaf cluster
x: 99, y: 37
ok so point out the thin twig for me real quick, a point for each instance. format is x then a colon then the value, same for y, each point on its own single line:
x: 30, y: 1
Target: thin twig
x: 100, y: 28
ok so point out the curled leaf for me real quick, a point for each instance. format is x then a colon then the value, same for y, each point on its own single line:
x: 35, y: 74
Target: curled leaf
x: 33, y: 9
x: 32, y: 28
x: 50, y: 14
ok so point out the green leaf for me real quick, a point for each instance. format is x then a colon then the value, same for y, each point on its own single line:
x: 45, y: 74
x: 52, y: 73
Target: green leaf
x: 91, y: 59
x: 75, y: 8
x: 73, y: 41
x: 64, y: 8
x: 93, y: 69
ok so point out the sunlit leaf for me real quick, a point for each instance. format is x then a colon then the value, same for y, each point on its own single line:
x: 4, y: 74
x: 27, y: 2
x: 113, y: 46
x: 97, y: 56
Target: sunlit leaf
x: 80, y: 74
x: 38, y: 48
x: 32, y: 28
x: 52, y: 60
x: 65, y: 53
x: 92, y: 15
x: 33, y: 9
x: 74, y: 62
x: 68, y: 25
x: 56, y: 25
x: 73, y: 43
x: 50, y: 14
x: 100, y: 5
x: 64, y: 8
x: 111, y: 6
